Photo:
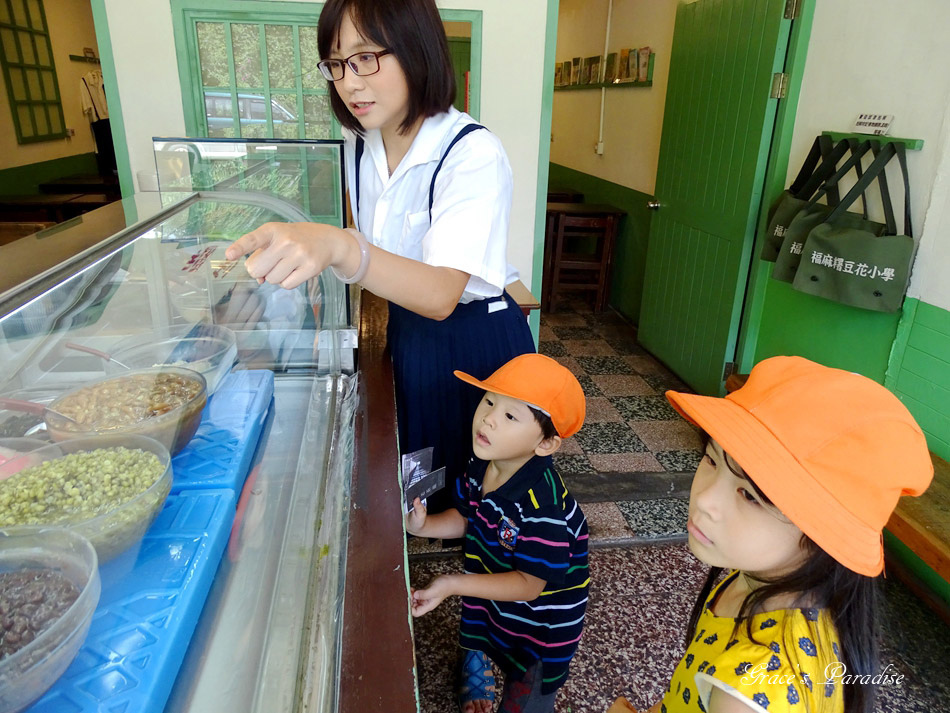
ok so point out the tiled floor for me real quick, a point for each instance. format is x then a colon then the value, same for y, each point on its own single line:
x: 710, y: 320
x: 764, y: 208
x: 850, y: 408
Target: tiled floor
x: 630, y: 468
x: 630, y: 426
x: 640, y: 599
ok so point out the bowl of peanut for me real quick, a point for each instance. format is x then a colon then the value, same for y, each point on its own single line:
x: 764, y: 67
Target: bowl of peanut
x: 163, y: 403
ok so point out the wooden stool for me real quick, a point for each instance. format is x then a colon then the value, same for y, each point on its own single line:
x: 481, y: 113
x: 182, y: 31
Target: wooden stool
x: 567, y: 268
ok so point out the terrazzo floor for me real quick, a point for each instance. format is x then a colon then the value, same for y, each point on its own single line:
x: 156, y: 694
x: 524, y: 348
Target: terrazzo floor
x: 640, y: 599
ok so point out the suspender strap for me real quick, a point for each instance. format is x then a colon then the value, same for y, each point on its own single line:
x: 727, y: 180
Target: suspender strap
x: 360, y: 145
x: 469, y: 128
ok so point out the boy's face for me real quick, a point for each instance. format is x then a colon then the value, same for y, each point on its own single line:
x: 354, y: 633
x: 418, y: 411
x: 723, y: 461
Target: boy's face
x: 504, y: 429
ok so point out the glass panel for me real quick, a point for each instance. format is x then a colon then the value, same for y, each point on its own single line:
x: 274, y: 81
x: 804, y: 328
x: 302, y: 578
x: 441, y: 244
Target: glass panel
x: 55, y: 120
x: 4, y: 12
x: 17, y: 83
x: 39, y: 117
x: 317, y: 117
x: 309, y: 56
x: 281, y: 66
x: 9, y: 45
x: 218, y: 110
x: 283, y: 110
x: 245, y: 40
x: 254, y: 129
x: 26, y: 47
x: 33, y: 83
x: 42, y: 52
x: 36, y: 15
x: 26, y: 125
x: 213, y: 54
x: 49, y: 85
x: 19, y: 13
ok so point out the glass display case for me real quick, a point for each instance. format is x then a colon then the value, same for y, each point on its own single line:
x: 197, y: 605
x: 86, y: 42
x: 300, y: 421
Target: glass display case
x: 233, y: 598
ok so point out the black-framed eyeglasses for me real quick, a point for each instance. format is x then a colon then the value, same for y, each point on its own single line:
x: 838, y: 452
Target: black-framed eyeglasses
x: 361, y: 64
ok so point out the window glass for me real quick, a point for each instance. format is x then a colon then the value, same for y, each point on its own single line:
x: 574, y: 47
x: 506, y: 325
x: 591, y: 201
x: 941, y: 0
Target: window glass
x: 281, y: 62
x: 213, y: 54
x: 245, y: 39
x: 278, y: 74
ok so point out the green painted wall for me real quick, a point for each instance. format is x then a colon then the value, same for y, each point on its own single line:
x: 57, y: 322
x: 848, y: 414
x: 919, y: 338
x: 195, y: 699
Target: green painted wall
x: 25, y: 180
x: 919, y: 371
x: 793, y: 323
x: 630, y: 252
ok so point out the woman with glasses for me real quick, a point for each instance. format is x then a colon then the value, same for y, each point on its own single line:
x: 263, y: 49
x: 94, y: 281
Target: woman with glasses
x: 430, y: 192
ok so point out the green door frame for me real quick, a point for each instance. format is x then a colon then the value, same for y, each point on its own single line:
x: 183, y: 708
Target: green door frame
x: 775, y: 179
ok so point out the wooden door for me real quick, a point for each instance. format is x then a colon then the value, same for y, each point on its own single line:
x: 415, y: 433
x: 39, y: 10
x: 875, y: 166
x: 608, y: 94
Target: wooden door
x: 717, y: 128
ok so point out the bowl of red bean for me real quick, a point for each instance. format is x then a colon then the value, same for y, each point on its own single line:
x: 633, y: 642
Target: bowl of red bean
x: 49, y: 588
x: 163, y: 403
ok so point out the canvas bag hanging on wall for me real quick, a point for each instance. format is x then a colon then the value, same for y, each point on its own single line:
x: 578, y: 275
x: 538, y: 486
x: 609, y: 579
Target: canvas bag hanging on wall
x: 796, y: 196
x: 815, y: 213
x: 857, y: 267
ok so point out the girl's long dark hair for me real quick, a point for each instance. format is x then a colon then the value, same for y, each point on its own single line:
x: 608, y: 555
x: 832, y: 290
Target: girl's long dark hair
x: 821, y: 582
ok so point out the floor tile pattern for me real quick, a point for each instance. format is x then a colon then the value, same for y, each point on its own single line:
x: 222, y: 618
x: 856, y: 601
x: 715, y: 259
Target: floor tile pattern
x: 640, y: 598
x: 630, y: 426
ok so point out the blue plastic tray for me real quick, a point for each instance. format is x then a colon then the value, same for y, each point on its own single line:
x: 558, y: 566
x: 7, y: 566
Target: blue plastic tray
x: 151, y: 599
x: 221, y: 451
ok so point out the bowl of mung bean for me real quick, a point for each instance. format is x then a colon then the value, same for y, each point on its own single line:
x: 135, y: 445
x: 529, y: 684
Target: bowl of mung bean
x: 49, y: 588
x: 163, y: 403
x: 107, y: 488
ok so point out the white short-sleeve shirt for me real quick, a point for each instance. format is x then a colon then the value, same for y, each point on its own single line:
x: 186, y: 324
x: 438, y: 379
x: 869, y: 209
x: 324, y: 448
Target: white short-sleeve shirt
x: 470, y: 210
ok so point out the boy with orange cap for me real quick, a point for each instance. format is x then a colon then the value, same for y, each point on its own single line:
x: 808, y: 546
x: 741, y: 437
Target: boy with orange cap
x: 524, y: 590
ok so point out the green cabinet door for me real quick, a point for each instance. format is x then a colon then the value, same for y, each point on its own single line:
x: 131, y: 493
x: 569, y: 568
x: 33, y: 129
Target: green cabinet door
x: 717, y: 128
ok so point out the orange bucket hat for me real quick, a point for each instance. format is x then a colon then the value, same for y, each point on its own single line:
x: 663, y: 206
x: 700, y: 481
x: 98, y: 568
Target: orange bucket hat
x: 831, y: 449
x: 542, y: 383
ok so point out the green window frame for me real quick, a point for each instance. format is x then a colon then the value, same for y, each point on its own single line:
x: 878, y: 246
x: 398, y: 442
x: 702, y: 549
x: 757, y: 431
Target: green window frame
x: 231, y: 89
x: 29, y: 72
x: 188, y: 15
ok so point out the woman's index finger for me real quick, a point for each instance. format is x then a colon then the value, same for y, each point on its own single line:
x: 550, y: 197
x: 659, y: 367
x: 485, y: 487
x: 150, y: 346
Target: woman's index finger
x: 248, y: 243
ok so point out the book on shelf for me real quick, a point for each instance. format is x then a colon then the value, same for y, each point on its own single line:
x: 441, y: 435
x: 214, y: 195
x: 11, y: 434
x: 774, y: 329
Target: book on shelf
x: 643, y: 64
x: 631, y: 75
x: 610, y: 67
x: 576, y: 70
x: 622, y: 64
x: 592, y: 70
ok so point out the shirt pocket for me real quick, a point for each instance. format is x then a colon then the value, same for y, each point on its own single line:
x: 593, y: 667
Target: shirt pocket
x: 414, y: 229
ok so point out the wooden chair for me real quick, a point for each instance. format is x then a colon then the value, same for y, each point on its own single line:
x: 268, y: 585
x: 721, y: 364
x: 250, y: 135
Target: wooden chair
x: 579, y: 247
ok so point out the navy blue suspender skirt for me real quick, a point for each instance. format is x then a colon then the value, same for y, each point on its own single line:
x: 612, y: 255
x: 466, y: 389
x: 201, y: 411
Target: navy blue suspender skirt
x: 433, y: 407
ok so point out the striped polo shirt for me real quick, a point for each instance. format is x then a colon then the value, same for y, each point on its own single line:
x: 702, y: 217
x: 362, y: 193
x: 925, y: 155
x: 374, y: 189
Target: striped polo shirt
x: 530, y: 524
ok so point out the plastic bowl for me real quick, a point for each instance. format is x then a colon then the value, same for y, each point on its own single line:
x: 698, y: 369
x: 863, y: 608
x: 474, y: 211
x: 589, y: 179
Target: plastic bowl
x: 27, y: 673
x: 15, y: 454
x: 208, y: 349
x: 112, y: 530
x: 15, y: 424
x: 100, y: 407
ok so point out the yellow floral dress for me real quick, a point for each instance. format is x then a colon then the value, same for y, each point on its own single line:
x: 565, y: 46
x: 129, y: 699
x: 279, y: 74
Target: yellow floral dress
x: 792, y: 666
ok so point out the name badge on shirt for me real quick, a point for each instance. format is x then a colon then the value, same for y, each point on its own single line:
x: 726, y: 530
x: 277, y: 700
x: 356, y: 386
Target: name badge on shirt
x: 507, y: 533
x: 497, y: 305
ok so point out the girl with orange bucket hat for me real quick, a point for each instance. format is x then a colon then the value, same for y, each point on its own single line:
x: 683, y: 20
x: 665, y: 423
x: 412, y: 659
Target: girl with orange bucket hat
x: 803, y: 468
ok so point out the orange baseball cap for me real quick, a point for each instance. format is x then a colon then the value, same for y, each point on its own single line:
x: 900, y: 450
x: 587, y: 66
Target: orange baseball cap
x: 542, y: 383
x: 831, y: 449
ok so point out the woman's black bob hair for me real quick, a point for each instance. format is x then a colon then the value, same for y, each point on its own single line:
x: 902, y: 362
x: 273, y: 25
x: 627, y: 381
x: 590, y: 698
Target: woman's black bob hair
x: 412, y: 30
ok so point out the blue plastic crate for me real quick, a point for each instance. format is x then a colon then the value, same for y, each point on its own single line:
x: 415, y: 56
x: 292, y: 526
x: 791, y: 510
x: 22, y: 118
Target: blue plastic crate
x: 151, y: 599
x: 219, y: 454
